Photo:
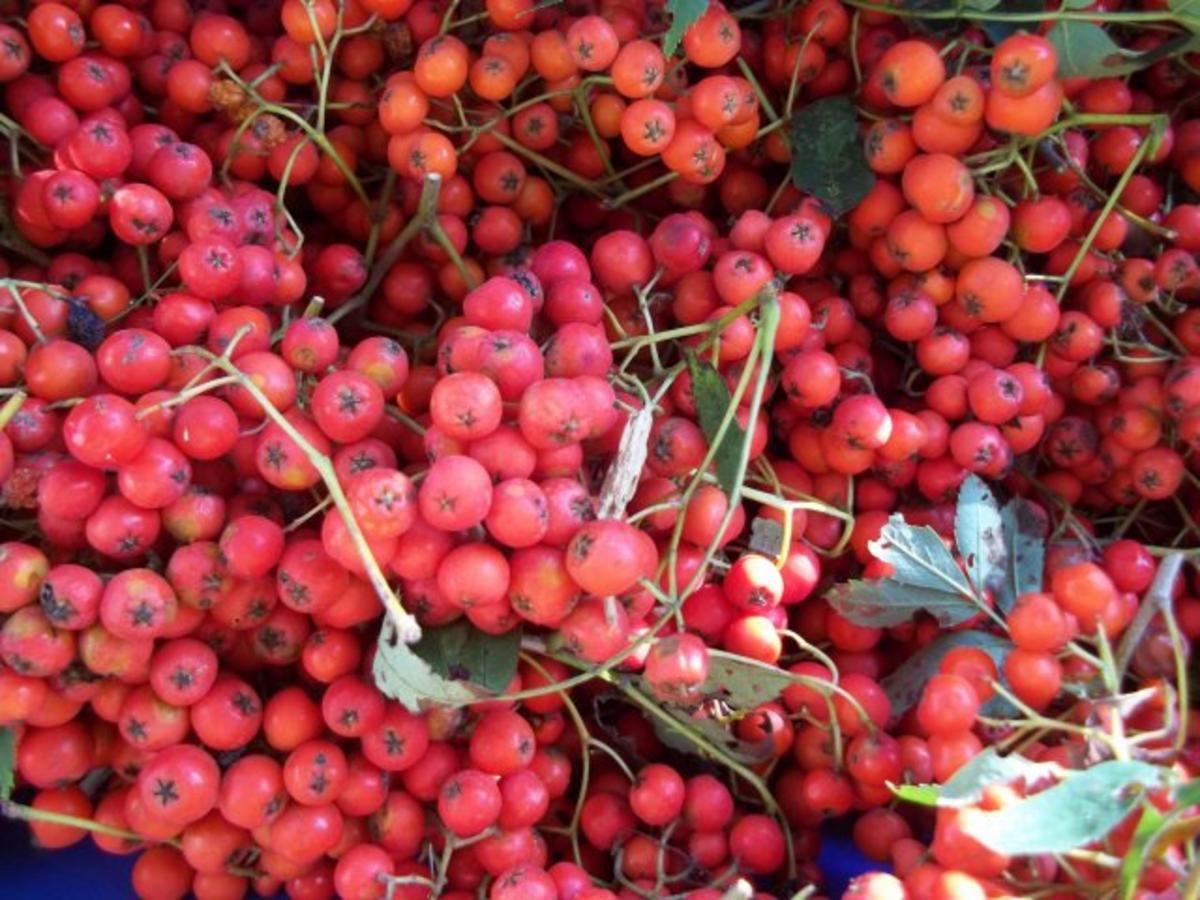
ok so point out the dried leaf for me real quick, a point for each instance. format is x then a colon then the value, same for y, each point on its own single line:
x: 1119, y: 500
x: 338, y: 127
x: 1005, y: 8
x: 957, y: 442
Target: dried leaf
x: 621, y: 480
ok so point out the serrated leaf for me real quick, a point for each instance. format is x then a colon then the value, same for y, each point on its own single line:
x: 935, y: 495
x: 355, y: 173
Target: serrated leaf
x: 1085, y: 50
x: 1024, y: 526
x: 979, y: 534
x: 461, y: 652
x: 1082, y: 808
x: 8, y: 762
x: 401, y: 674
x: 919, y: 557
x: 684, y: 14
x: 712, y: 400
x: 741, y: 682
x: 967, y: 785
x: 904, y: 685
x: 827, y: 154
x: 989, y: 768
x: 715, y: 733
x: 886, y: 602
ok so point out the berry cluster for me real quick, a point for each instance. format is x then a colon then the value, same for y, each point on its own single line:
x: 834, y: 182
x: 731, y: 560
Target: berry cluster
x: 551, y: 451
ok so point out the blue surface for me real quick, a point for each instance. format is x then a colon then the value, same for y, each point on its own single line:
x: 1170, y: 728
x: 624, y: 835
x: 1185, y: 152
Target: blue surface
x: 79, y: 871
x: 84, y: 871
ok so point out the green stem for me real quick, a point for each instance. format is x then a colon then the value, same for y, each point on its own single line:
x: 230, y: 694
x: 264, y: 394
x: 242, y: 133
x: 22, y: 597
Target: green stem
x: 10, y: 408
x: 407, y: 627
x: 1105, y: 210
x: 31, y: 814
x: 426, y: 214
x: 546, y: 163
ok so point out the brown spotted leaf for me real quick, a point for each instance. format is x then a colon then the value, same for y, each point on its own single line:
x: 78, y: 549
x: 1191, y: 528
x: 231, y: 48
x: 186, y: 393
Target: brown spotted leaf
x: 1025, y: 526
x: 979, y: 534
x: 741, y: 682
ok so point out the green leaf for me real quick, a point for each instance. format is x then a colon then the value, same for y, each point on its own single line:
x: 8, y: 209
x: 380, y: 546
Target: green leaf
x: 402, y: 675
x: 714, y: 732
x: 887, y: 602
x: 1086, y: 50
x: 827, y: 154
x: 904, y: 685
x: 1149, y: 827
x: 684, y: 14
x: 938, y: 24
x: 967, y: 785
x: 712, y: 400
x: 743, y: 683
x: 925, y: 577
x: 1024, y: 527
x: 920, y: 557
x: 8, y: 762
x: 999, y: 29
x: 979, y: 534
x: 1082, y: 808
x: 1188, y: 13
x: 920, y: 794
x: 461, y: 652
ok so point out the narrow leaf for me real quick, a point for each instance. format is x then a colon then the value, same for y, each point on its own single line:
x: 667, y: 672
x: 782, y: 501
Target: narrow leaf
x: 905, y: 684
x: 402, y: 675
x: 684, y: 14
x: 461, y: 652
x: 1024, y: 526
x: 979, y: 534
x: 887, y: 602
x: 1083, y: 808
x: 712, y: 400
x: 920, y: 794
x: 1148, y: 828
x: 827, y: 154
x: 743, y: 683
x: 8, y: 762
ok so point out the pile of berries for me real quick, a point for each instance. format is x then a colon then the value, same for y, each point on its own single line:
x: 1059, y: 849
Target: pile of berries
x: 469, y: 449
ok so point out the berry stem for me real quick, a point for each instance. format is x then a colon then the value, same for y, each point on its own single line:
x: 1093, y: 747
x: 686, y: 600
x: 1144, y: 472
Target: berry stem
x: 25, y: 813
x: 425, y: 217
x: 11, y: 407
x: 407, y: 627
x: 1156, y: 600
